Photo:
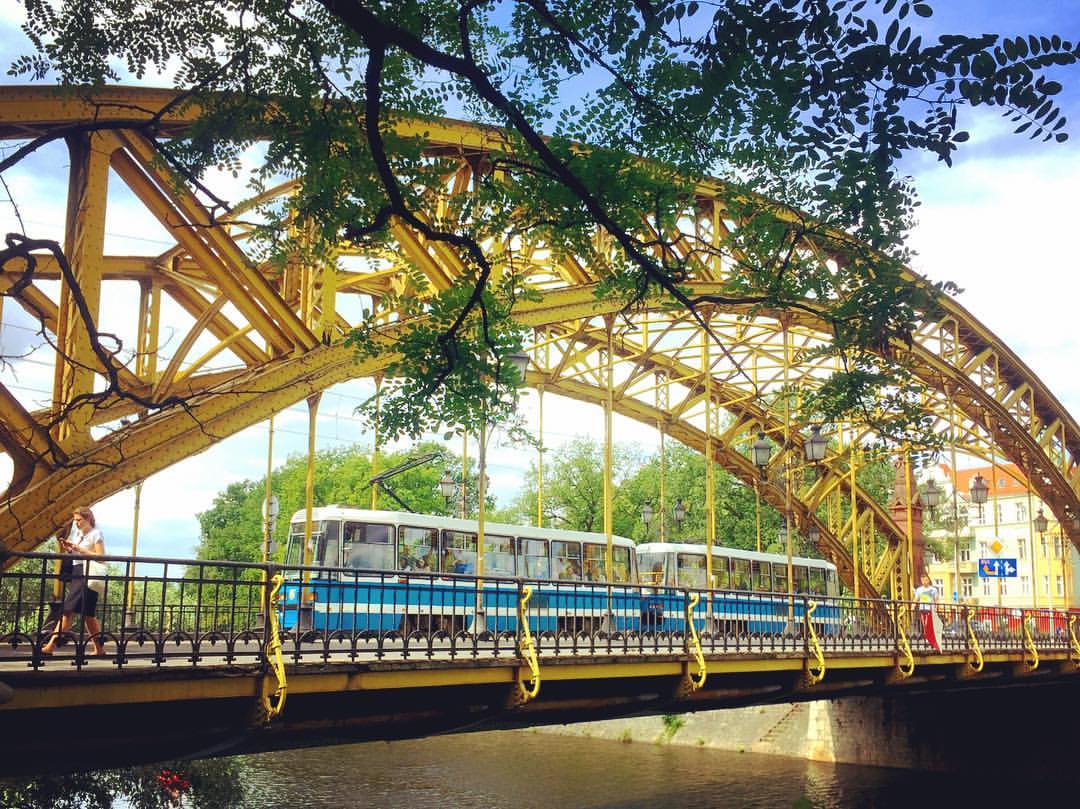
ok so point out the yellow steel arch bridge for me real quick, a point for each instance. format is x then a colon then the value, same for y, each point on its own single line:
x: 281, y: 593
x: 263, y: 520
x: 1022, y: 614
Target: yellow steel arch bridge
x: 253, y: 342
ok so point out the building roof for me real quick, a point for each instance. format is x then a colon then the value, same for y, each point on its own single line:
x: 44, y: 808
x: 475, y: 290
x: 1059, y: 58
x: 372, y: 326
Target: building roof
x: 1009, y: 481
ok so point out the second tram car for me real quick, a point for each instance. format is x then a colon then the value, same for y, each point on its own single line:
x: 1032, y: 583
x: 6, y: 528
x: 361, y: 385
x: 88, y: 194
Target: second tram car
x: 752, y: 587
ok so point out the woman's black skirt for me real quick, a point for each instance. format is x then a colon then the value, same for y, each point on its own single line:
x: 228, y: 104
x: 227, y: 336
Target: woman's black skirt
x: 80, y: 598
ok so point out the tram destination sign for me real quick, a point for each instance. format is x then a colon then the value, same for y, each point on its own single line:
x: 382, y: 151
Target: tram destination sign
x: 997, y: 568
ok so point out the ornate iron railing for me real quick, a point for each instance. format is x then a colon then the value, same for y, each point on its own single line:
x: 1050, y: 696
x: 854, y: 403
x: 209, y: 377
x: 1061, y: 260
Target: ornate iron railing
x: 173, y: 612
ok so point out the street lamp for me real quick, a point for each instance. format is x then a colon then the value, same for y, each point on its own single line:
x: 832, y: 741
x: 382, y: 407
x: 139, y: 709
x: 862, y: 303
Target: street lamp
x: 979, y: 491
x: 813, y: 533
x: 931, y: 496
x: 1041, y: 523
x: 678, y: 514
x: 815, y: 445
x: 761, y: 450
x: 447, y: 487
x: 781, y: 532
x: 519, y: 361
x: 646, y: 515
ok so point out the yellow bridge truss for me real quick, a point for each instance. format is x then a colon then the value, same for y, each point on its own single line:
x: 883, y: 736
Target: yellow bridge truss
x: 256, y: 341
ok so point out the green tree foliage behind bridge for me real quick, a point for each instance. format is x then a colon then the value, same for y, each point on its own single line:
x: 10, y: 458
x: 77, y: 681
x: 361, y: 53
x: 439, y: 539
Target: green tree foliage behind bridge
x: 232, y: 527
x: 573, y: 496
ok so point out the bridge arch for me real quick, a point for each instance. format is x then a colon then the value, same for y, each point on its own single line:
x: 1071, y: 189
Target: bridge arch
x: 256, y: 343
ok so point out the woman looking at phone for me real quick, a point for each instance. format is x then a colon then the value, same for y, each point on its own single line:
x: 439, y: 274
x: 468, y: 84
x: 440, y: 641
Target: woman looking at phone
x: 84, y: 542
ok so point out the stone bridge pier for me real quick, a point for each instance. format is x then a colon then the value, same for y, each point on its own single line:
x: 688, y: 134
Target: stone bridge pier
x: 1022, y: 729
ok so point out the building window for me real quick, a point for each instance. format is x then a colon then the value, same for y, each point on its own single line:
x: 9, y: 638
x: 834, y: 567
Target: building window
x: 1001, y: 483
x: 1025, y: 585
x: 1046, y: 585
x: 1021, y: 549
x: 967, y: 586
x: 1059, y: 584
x: 1004, y: 586
x: 1001, y: 512
x: 986, y: 587
x: 940, y: 585
x: 1021, y: 512
x: 1057, y: 547
x: 1042, y: 543
x: 965, y: 552
x: 984, y: 549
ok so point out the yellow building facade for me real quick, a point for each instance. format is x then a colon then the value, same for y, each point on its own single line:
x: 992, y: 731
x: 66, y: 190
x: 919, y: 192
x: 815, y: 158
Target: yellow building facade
x: 1004, y: 527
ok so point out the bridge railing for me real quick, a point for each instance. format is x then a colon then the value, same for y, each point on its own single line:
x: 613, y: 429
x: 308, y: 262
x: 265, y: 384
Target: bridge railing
x: 176, y: 612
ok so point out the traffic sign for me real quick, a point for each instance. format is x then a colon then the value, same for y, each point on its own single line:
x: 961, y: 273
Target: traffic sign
x: 997, y: 568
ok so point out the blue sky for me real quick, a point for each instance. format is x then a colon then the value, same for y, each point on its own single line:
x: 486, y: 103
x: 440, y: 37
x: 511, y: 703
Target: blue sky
x: 1000, y: 223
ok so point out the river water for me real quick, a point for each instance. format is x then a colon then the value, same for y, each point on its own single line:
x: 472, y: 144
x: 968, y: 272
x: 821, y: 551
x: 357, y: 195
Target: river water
x: 532, y: 770
x: 527, y: 770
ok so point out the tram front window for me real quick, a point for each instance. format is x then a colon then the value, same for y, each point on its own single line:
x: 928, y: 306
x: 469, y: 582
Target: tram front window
x: 652, y: 569
x: 294, y: 553
x: 368, y: 546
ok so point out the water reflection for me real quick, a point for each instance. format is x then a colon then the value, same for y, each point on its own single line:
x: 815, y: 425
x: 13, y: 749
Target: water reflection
x: 523, y: 771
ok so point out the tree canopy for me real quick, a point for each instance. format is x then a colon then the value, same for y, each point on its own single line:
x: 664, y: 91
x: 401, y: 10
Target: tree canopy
x: 608, y: 115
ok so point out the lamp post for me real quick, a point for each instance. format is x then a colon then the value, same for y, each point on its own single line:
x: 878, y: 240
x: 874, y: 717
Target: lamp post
x: 646, y: 516
x: 979, y: 490
x: 678, y: 514
x: 1041, y: 524
x: 931, y: 497
x: 815, y: 445
x: 761, y: 451
x: 447, y: 487
x: 519, y: 361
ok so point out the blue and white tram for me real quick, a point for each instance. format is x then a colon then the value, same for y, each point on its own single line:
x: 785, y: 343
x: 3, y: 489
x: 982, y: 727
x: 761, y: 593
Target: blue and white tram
x: 416, y: 572
x: 754, y: 587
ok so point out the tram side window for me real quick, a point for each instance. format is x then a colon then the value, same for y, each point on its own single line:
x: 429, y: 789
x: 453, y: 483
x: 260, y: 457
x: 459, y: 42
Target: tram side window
x: 762, y: 573
x: 817, y: 581
x: 802, y: 583
x: 459, y: 552
x: 721, y: 573
x: 566, y: 560
x: 498, y: 555
x: 651, y: 567
x: 780, y: 577
x: 418, y: 548
x: 368, y: 546
x: 691, y: 570
x: 594, y: 561
x: 740, y: 574
x: 831, y: 586
x: 533, y: 554
x: 621, y: 564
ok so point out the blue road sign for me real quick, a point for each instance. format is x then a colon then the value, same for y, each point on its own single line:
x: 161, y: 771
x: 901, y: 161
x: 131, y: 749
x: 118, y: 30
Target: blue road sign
x: 997, y: 568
